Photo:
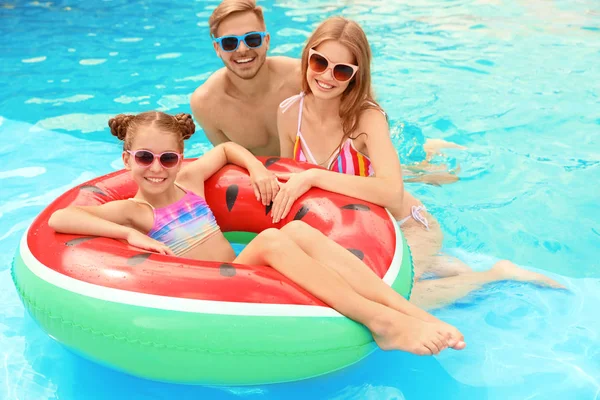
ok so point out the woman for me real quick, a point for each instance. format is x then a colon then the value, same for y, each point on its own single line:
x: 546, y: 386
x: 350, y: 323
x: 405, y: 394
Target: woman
x: 337, y: 124
x: 169, y: 215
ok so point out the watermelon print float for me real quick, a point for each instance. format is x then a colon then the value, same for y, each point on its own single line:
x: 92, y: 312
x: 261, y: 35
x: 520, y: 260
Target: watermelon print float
x: 187, y: 321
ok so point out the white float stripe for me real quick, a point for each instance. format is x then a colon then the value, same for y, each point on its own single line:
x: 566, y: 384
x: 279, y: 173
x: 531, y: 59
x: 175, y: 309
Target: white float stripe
x: 188, y: 305
x: 392, y: 272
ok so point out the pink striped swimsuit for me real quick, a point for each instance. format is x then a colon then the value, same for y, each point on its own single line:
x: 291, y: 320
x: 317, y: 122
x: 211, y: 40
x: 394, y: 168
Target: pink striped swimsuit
x: 183, y: 224
x: 348, y: 160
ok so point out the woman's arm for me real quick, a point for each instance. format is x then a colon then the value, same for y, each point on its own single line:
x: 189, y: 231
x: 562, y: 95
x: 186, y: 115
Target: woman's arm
x: 194, y: 174
x: 385, y: 188
x: 112, y: 220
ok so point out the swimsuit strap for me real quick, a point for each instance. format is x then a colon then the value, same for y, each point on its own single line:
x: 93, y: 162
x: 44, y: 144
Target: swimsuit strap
x: 150, y: 205
x: 379, y: 108
x: 287, y: 103
x: 181, y: 187
x: 301, y: 106
x: 141, y: 202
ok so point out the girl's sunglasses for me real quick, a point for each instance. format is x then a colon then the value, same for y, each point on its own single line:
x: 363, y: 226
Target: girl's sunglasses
x: 145, y: 158
x: 319, y: 63
x: 253, y: 40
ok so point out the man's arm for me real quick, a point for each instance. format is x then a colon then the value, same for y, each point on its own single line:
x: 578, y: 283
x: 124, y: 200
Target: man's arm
x: 201, y: 109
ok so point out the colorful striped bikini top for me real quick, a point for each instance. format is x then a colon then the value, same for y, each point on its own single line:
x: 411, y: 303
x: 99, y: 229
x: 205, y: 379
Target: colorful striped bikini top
x: 184, y: 224
x: 347, y: 161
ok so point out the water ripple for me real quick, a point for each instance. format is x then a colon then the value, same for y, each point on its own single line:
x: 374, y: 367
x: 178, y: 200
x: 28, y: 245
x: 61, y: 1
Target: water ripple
x: 72, y: 99
x: 26, y: 172
x: 92, y: 61
x: 34, y: 60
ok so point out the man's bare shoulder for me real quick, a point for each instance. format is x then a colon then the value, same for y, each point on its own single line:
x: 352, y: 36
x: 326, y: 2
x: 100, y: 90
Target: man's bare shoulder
x: 287, y: 68
x: 207, y: 94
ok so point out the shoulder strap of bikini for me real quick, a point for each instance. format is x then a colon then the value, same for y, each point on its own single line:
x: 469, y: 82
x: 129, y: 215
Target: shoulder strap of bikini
x: 141, y: 202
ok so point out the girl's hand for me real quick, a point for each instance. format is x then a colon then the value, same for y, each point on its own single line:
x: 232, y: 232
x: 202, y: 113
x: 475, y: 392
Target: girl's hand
x: 265, y: 184
x: 138, y: 239
x: 289, y: 192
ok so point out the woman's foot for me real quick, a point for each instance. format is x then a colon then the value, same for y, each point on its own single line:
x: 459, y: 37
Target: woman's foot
x: 397, y: 331
x: 506, y: 270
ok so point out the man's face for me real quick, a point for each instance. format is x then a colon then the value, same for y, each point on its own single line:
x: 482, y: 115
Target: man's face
x: 245, y: 61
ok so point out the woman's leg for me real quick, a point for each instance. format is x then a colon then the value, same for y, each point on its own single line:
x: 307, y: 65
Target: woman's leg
x: 360, y: 277
x: 432, y: 174
x: 433, y: 147
x: 425, y: 245
x: 390, y: 328
x: 435, y: 293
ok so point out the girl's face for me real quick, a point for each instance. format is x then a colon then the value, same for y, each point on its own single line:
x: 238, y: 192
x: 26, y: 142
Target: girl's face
x: 156, y: 173
x: 326, y: 79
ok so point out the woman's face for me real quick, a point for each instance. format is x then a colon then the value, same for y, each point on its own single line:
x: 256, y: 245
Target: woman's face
x: 154, y: 178
x: 327, y: 83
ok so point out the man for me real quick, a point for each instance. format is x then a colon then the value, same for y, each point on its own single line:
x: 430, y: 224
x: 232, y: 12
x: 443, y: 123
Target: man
x: 239, y: 103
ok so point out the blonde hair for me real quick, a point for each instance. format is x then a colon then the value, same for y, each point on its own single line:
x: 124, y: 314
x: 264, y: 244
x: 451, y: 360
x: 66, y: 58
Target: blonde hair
x: 125, y: 126
x: 229, y: 7
x: 358, y: 96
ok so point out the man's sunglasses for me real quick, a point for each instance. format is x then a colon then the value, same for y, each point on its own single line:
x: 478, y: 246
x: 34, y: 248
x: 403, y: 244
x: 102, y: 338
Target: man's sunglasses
x: 253, y: 40
x: 319, y: 63
x: 145, y: 158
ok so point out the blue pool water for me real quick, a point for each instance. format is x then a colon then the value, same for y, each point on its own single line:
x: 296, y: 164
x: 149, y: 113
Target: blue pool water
x: 517, y: 82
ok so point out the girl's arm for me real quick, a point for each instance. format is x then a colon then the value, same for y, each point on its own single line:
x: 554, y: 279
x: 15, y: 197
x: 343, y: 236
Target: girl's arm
x: 385, y: 188
x: 113, y: 220
x: 194, y: 174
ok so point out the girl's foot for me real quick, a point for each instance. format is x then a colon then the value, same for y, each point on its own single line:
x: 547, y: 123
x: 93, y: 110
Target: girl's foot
x: 397, y: 331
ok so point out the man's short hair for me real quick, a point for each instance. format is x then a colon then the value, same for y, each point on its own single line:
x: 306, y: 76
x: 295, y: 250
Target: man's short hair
x: 229, y: 7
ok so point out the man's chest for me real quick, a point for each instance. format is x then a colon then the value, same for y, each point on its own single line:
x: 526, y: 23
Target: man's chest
x: 250, y: 125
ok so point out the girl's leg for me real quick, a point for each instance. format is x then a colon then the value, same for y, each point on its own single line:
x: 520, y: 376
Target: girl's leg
x: 360, y: 277
x: 437, y: 293
x: 390, y: 329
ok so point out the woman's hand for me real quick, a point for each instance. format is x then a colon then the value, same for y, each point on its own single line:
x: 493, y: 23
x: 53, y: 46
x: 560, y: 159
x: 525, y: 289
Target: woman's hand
x: 138, y: 239
x: 289, y: 192
x: 264, y: 183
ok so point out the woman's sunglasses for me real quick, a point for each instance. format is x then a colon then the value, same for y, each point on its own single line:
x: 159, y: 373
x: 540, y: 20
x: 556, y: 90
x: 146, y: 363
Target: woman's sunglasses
x: 319, y: 63
x: 253, y: 40
x: 145, y: 158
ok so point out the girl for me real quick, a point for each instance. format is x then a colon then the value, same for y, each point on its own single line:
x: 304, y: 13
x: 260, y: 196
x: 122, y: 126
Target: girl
x: 169, y: 215
x: 336, y: 123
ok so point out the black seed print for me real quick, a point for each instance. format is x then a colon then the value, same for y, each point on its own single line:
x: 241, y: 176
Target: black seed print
x: 138, y: 259
x: 301, y: 213
x: 268, y: 208
x: 94, y: 189
x: 271, y: 161
x: 78, y: 241
x: 227, y: 270
x: 231, y: 196
x: 356, y: 207
x: 357, y: 253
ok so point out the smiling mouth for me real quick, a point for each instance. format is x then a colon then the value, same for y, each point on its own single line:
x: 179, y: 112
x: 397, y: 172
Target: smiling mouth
x: 246, y: 60
x: 155, y: 180
x: 323, y: 85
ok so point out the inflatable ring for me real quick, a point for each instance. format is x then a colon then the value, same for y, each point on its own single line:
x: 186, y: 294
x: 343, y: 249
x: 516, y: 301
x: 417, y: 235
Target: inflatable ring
x: 188, y: 321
